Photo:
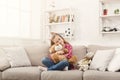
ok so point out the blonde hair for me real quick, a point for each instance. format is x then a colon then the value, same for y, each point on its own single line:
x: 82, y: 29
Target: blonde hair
x: 53, y: 36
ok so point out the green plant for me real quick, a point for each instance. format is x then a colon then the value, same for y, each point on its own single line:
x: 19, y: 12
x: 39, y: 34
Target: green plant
x: 116, y: 11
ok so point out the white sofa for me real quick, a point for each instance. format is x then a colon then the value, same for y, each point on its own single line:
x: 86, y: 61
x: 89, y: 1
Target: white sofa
x: 36, y: 53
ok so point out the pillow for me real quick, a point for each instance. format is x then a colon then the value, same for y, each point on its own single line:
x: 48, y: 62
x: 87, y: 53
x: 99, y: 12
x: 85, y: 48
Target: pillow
x: 17, y: 56
x: 101, y: 59
x: 4, y: 64
x: 114, y: 65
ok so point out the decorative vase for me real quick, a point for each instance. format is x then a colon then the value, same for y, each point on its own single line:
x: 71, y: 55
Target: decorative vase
x: 105, y: 12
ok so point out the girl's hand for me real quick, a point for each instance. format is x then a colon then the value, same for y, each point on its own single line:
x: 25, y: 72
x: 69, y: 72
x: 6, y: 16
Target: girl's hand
x: 60, y: 52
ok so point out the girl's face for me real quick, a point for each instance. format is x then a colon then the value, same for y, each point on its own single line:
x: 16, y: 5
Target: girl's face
x: 58, y: 40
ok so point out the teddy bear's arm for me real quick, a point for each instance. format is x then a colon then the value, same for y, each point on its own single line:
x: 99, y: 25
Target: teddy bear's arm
x: 65, y: 50
x: 51, y: 49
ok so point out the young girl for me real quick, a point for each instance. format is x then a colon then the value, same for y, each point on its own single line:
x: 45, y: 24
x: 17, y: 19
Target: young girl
x: 57, y: 39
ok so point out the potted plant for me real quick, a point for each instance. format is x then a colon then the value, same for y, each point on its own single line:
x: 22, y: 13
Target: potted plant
x: 116, y: 11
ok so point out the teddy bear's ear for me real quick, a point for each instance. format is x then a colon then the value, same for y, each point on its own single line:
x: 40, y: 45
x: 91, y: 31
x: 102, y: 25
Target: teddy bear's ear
x: 53, y: 34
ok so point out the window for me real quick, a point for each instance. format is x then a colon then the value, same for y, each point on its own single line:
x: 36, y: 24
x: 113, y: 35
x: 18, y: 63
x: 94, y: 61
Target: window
x: 15, y: 18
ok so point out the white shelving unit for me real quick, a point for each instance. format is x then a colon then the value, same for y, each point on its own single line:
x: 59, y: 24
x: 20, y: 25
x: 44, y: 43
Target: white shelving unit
x: 60, y: 21
x: 109, y: 19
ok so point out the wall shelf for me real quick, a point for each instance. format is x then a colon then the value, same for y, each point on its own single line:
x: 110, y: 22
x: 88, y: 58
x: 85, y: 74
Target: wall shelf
x: 60, y: 23
x: 107, y: 16
x: 111, y: 32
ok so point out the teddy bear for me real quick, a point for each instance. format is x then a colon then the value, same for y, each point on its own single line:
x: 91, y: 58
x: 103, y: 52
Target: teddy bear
x: 57, y: 54
x: 73, y: 60
x: 58, y: 48
x: 84, y: 63
x: 53, y: 18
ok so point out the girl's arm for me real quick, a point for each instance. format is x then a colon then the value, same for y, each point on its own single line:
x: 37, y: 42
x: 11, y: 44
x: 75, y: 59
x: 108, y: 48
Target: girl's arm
x: 69, y: 54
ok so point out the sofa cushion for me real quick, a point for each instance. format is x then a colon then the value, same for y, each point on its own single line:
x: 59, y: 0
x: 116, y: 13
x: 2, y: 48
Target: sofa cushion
x: 114, y: 64
x: 94, y: 48
x: 99, y: 75
x: 101, y: 59
x: 36, y: 53
x: 62, y: 75
x: 17, y: 56
x: 4, y: 64
x: 21, y: 73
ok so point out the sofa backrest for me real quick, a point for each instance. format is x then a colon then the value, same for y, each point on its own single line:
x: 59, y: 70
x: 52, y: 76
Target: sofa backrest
x: 94, y: 48
x: 80, y: 51
x: 36, y: 53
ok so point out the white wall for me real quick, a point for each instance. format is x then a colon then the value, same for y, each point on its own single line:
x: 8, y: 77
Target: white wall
x: 87, y: 27
x: 38, y: 7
